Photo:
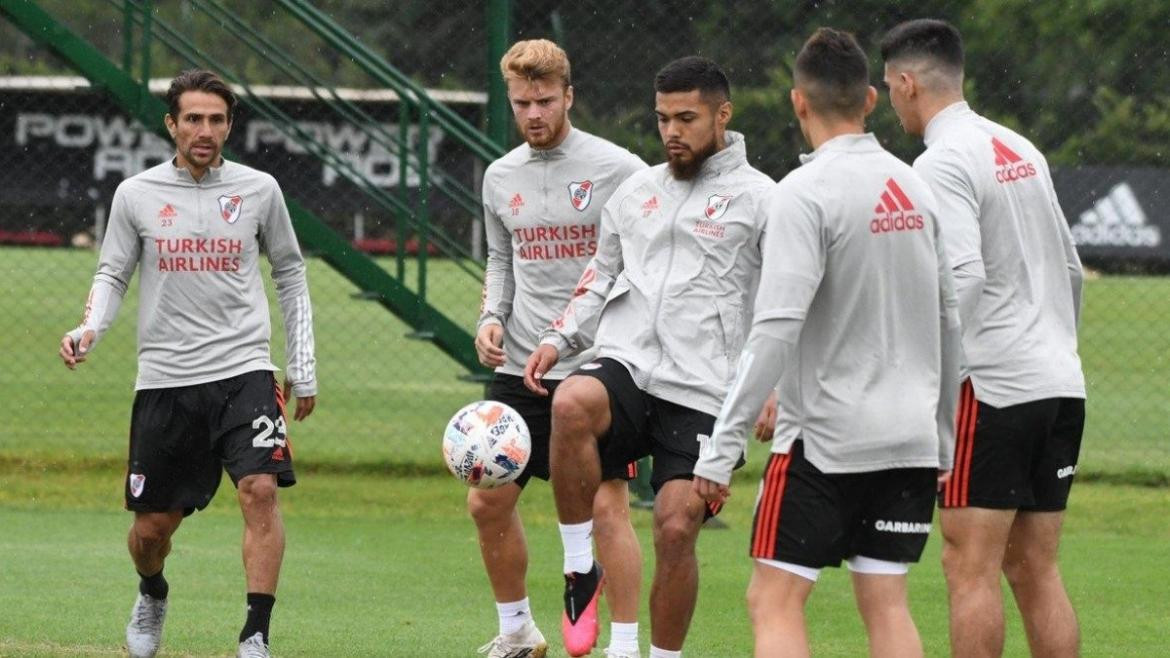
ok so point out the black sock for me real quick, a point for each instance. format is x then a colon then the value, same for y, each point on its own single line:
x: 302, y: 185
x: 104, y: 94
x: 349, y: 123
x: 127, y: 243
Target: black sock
x: 155, y: 586
x: 259, y: 612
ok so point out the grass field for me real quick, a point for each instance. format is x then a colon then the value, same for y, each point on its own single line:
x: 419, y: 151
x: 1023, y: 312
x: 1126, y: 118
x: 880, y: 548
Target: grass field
x: 382, y: 560
x: 389, y: 567
x: 385, y: 397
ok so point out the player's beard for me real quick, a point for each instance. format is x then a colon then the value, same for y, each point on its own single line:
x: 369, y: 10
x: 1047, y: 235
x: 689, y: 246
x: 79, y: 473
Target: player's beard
x: 547, y: 136
x: 687, y: 168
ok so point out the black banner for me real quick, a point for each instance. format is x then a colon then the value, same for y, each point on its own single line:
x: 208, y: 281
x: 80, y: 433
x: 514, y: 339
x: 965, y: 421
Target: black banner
x: 64, y: 151
x: 1119, y: 215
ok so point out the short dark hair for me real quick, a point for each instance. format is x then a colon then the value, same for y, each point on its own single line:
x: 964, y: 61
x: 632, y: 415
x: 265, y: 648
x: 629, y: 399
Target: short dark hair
x: 833, y: 73
x: 199, y: 80
x: 690, y: 73
x: 925, y: 37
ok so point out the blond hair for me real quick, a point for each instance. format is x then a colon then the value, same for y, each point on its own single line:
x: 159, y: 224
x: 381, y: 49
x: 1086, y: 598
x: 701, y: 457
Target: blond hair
x: 535, y: 59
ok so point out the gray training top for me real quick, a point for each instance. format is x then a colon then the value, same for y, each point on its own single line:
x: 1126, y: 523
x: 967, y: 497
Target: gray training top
x: 857, y: 317
x: 541, y: 210
x: 669, y: 292
x: 1002, y: 223
x: 203, y: 314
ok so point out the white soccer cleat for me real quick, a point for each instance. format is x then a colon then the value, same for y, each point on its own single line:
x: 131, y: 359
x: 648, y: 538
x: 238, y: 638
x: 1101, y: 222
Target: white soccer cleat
x: 253, y: 647
x: 527, y: 642
x: 621, y: 653
x: 144, y: 632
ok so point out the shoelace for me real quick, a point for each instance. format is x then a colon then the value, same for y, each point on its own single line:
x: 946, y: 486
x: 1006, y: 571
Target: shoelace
x: 252, y: 647
x: 490, y: 645
x: 146, y: 615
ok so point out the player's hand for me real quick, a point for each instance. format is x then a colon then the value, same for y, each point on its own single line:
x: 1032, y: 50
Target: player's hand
x: 305, y: 405
x: 487, y: 345
x: 539, y: 363
x: 712, y: 492
x: 74, y: 354
x: 766, y: 421
x: 943, y: 478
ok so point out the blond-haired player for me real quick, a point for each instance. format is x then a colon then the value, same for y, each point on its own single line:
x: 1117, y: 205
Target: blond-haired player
x: 542, y: 206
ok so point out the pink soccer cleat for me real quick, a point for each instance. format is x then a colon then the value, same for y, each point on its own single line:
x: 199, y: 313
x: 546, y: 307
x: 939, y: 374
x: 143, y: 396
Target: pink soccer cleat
x: 579, y: 624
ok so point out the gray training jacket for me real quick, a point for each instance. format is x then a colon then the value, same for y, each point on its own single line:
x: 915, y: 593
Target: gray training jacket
x: 671, y: 286
x: 856, y: 316
x: 203, y: 314
x: 541, y: 210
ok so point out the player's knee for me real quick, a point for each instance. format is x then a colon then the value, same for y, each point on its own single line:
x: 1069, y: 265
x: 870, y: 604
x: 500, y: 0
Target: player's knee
x: 578, y: 402
x: 765, y: 605
x: 485, y: 509
x: 964, y: 566
x: 674, y: 537
x: 258, y: 490
x: 152, y: 533
x: 1025, y: 570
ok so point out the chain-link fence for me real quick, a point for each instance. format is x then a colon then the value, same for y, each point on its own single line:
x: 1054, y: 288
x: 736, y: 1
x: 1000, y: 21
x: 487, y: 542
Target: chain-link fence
x: 1085, y: 80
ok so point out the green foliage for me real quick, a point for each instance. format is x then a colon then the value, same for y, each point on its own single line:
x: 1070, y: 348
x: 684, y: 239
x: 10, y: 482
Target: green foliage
x: 1084, y: 79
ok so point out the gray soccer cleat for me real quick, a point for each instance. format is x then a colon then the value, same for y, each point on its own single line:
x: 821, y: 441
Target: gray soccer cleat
x: 527, y: 642
x: 253, y: 647
x: 144, y: 632
x: 619, y: 653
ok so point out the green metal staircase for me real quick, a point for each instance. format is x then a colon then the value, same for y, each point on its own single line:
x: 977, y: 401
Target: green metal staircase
x: 411, y: 210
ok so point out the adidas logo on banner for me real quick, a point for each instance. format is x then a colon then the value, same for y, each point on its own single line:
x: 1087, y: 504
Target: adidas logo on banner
x: 1117, y: 220
x: 894, y: 211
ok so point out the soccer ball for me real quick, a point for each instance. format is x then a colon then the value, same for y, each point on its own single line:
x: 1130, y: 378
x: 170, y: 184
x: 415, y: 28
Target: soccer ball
x: 486, y: 444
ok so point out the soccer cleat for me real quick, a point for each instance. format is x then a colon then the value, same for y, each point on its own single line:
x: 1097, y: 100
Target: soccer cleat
x: 579, y: 623
x: 527, y: 642
x: 253, y: 647
x: 621, y: 653
x: 144, y: 632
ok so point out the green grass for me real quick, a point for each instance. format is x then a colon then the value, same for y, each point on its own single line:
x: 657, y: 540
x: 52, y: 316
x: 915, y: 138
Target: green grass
x: 381, y: 566
x: 384, y: 397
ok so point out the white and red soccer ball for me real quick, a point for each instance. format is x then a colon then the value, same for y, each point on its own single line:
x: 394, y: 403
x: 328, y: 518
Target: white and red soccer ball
x: 486, y: 444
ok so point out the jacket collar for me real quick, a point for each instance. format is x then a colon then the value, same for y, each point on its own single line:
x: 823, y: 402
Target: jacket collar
x: 938, y: 122
x: 732, y: 156
x: 850, y: 143
x: 558, y: 151
x: 213, y: 175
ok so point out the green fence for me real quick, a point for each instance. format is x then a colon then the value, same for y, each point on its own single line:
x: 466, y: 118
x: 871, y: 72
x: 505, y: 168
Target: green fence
x: 1086, y: 80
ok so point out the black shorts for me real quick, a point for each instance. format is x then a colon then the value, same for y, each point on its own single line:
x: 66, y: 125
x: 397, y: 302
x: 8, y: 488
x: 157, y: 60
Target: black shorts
x: 536, y: 411
x: 1019, y: 457
x: 815, y: 519
x: 183, y: 438
x: 641, y: 425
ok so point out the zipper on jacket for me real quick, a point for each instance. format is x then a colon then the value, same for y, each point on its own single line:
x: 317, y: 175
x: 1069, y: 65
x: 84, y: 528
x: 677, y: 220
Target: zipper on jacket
x: 544, y: 187
x: 665, y: 280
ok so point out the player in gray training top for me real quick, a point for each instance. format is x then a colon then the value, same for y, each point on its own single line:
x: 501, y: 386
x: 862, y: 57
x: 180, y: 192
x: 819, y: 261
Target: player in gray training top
x: 207, y: 399
x: 667, y: 296
x: 857, y: 316
x: 1022, y: 408
x: 542, y: 205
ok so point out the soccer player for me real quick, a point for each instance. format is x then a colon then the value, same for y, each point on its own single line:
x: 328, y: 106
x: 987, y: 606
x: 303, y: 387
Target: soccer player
x: 1022, y: 408
x: 542, y: 206
x: 664, y: 302
x: 207, y: 399
x: 856, y: 315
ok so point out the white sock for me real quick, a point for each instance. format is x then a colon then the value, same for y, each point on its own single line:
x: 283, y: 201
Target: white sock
x: 655, y: 652
x: 513, y: 615
x: 577, y: 539
x: 623, y: 637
